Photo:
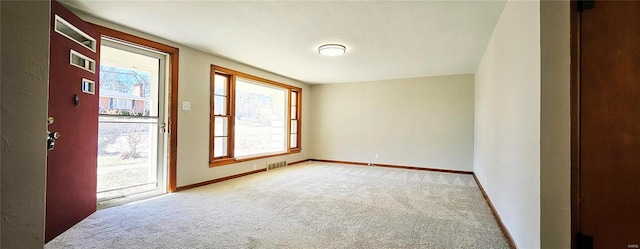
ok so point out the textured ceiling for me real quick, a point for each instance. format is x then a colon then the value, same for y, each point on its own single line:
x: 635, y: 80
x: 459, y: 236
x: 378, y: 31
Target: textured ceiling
x: 384, y: 40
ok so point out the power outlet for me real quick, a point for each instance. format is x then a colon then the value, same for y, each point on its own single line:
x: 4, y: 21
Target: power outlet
x: 377, y: 156
x: 254, y: 167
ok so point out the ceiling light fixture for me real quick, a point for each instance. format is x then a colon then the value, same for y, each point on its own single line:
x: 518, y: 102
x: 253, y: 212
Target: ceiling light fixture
x: 332, y: 50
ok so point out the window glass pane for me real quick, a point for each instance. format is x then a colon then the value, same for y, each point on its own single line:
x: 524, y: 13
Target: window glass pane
x: 294, y: 126
x: 219, y: 105
x: 220, y: 146
x: 294, y: 112
x: 260, y: 122
x: 294, y: 141
x: 220, y: 85
x: 126, y: 158
x: 220, y: 126
x: 120, y: 83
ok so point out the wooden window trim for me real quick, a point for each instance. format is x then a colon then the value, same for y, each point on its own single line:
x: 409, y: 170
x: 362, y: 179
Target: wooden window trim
x: 230, y: 158
x: 227, y: 161
x: 173, y: 52
x: 298, y: 119
x: 230, y: 115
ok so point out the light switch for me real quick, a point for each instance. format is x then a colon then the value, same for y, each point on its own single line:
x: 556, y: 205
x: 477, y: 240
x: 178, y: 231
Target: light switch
x: 186, y: 105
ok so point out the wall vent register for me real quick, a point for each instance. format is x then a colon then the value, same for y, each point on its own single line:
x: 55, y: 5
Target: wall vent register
x: 272, y: 166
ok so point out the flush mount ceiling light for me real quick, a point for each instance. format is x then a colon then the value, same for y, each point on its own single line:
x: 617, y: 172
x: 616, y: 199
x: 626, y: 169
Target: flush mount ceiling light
x: 332, y: 50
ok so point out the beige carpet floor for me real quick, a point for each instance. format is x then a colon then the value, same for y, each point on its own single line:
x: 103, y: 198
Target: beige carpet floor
x: 310, y: 205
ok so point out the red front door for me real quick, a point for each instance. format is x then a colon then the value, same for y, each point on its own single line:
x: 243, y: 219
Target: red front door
x: 73, y: 107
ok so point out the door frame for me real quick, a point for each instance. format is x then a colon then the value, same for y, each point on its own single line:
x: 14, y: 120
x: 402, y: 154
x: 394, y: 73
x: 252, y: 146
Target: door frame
x: 161, y: 137
x: 172, y: 104
x: 575, y: 23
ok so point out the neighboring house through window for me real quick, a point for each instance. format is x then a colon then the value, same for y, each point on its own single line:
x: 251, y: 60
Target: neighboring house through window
x: 112, y: 102
x: 122, y: 104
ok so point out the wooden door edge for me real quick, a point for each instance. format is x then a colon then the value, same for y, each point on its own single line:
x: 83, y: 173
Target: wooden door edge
x: 575, y: 23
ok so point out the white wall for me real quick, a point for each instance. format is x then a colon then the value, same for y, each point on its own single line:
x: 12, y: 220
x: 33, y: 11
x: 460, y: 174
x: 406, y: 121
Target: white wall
x: 507, y: 121
x: 25, y: 76
x: 421, y: 122
x: 555, y: 126
x: 193, y: 125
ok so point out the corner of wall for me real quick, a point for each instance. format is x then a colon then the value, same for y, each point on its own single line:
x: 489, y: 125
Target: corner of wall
x: 25, y: 44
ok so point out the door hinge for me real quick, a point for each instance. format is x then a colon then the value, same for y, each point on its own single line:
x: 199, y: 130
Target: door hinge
x: 586, y: 4
x: 585, y: 241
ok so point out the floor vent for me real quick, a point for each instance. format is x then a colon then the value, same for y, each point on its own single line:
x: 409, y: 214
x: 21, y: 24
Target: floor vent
x: 271, y: 166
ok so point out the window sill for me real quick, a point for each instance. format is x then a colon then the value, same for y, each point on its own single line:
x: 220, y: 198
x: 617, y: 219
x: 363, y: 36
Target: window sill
x: 296, y: 150
x: 227, y: 161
